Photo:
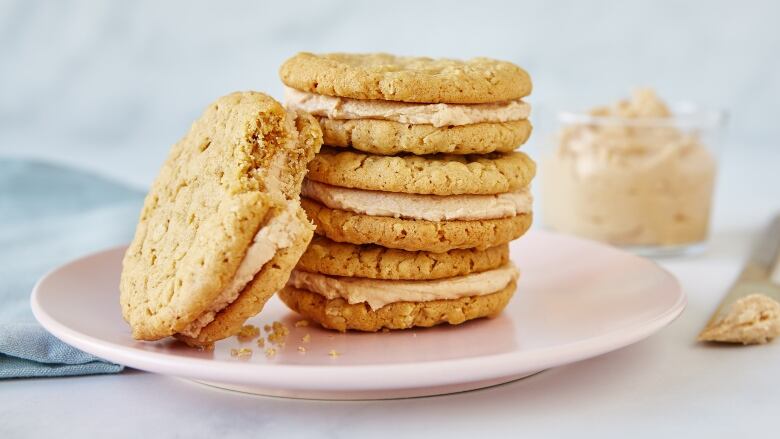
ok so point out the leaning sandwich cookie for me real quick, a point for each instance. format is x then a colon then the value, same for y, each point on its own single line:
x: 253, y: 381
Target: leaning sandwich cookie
x: 420, y: 167
x: 222, y: 227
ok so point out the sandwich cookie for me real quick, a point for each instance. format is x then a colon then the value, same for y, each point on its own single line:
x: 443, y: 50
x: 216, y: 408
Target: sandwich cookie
x: 431, y: 203
x: 384, y: 104
x: 221, y: 228
x: 368, y: 287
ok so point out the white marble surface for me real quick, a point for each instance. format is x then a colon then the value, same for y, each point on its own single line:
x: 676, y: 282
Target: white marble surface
x: 109, y: 86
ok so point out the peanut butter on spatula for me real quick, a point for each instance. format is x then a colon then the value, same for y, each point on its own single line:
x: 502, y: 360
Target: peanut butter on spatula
x: 750, y: 312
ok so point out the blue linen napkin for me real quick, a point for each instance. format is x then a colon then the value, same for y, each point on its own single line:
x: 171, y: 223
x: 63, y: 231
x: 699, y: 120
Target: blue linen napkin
x: 50, y: 214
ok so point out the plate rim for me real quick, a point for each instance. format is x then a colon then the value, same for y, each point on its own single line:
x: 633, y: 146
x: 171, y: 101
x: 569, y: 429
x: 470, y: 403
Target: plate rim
x: 336, y: 377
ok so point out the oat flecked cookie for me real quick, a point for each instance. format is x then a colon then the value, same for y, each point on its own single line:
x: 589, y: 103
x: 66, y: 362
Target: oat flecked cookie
x: 340, y: 315
x: 439, y: 174
x: 415, y: 235
x: 376, y: 262
x: 388, y: 137
x: 221, y: 227
x: 408, y: 79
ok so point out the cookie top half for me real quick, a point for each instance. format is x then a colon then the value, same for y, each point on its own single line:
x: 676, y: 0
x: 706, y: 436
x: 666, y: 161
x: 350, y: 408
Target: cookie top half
x: 240, y: 164
x: 438, y: 174
x: 376, y: 262
x: 407, y: 79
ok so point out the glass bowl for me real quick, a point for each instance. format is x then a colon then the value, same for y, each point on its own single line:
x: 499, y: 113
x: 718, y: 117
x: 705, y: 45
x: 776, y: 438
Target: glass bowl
x: 643, y: 183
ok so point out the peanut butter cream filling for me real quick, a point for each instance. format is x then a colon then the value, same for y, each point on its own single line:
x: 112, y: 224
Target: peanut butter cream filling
x: 419, y: 206
x: 276, y: 234
x: 438, y: 115
x: 378, y: 293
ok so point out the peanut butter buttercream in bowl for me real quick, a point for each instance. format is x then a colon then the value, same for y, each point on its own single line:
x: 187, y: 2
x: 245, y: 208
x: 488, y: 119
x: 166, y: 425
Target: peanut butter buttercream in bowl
x: 636, y: 174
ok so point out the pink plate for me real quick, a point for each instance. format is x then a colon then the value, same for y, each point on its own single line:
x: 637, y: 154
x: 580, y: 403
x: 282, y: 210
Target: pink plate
x: 576, y: 299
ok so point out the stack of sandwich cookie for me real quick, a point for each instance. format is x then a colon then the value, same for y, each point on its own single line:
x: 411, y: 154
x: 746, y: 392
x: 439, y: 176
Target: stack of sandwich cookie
x: 221, y: 228
x: 418, y: 192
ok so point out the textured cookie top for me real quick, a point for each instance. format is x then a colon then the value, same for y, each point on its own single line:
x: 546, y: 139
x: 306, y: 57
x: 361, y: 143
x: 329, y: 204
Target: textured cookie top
x: 242, y: 159
x: 377, y: 262
x: 440, y: 174
x: 408, y: 79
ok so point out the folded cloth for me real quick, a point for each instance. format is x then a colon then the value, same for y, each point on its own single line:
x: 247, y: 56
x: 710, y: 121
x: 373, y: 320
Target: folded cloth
x: 29, y: 351
x: 50, y: 214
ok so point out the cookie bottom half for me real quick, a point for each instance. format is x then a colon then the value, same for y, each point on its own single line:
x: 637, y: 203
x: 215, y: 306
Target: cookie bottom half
x: 342, y: 316
x: 250, y: 302
x: 386, y: 137
x: 414, y: 235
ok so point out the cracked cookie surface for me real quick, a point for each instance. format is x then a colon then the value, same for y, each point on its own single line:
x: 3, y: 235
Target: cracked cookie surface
x: 414, y: 235
x: 376, y: 262
x: 440, y: 174
x: 340, y: 315
x: 388, y: 138
x: 408, y: 79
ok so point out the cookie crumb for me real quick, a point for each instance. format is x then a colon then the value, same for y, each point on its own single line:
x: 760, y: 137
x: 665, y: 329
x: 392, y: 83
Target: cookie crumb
x: 241, y: 353
x: 261, y: 342
x: 270, y: 352
x: 306, y: 338
x: 248, y: 332
x: 301, y: 323
x: 301, y: 349
x: 280, y: 327
x: 385, y: 330
x: 267, y: 327
x: 278, y: 333
x: 334, y: 354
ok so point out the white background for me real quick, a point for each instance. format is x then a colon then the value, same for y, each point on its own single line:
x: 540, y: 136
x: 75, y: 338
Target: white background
x: 110, y: 85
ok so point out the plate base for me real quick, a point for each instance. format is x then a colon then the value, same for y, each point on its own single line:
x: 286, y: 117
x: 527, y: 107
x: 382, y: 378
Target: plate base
x: 358, y: 395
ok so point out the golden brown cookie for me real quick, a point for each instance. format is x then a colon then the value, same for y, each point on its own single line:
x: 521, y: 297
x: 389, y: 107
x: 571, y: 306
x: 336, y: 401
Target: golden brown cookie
x: 339, y: 315
x: 408, y: 79
x: 440, y: 174
x: 236, y: 173
x: 388, y: 138
x: 414, y: 235
x: 376, y: 262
